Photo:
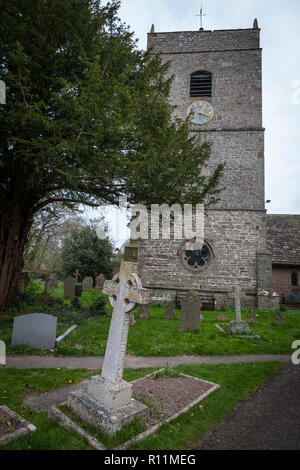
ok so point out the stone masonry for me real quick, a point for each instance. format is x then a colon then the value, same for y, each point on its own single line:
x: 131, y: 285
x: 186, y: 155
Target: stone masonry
x: 235, y: 227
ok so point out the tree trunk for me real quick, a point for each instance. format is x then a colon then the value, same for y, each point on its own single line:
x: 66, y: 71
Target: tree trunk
x: 14, y: 228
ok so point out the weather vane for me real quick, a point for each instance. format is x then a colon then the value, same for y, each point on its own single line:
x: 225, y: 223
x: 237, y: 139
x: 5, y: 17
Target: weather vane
x: 201, y: 16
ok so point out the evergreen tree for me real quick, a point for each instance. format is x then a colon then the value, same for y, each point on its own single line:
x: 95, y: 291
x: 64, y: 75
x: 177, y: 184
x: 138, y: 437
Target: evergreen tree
x: 83, y: 250
x: 86, y: 119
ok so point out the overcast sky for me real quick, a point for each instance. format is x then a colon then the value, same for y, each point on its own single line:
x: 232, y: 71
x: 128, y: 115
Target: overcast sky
x: 280, y: 39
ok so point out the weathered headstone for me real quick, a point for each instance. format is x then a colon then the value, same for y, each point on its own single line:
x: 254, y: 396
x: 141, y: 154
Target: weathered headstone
x: 237, y: 326
x: 100, y: 282
x: 36, y: 330
x: 169, y: 313
x: 108, y: 402
x: 190, y: 312
x: 87, y: 283
x: 69, y: 288
x: 144, y: 312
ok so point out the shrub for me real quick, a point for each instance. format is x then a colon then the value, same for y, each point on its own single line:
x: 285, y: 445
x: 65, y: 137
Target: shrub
x: 34, y: 288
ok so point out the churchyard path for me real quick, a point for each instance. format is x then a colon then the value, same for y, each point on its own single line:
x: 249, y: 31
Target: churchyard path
x: 133, y: 362
x: 268, y: 420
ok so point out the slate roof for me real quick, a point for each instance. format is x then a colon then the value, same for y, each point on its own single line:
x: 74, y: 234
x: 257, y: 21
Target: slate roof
x: 283, y: 234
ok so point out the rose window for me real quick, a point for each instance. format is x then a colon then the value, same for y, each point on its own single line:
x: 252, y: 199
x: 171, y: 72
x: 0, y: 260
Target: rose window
x: 195, y: 256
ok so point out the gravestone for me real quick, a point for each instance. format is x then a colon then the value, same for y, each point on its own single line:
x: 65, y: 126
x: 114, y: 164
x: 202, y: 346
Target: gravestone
x: 2, y: 353
x: 36, y: 330
x: 108, y: 402
x: 51, y: 282
x: 222, y: 318
x: 100, y: 282
x: 190, y: 312
x: 144, y: 312
x: 169, y: 313
x: 87, y: 283
x: 76, y: 274
x: 69, y: 288
x: 237, y: 326
x: 279, y: 319
x: 252, y: 318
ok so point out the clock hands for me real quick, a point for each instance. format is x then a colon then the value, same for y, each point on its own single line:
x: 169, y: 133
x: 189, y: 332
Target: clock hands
x: 205, y: 114
x: 201, y: 111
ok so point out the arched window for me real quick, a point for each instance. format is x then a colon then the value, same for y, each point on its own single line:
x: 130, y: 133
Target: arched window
x: 200, y: 84
x: 294, y: 279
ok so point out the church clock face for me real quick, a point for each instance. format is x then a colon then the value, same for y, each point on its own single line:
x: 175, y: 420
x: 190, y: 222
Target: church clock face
x: 201, y: 112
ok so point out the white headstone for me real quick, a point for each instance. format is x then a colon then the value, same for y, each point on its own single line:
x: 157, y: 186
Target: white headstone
x: 2, y: 353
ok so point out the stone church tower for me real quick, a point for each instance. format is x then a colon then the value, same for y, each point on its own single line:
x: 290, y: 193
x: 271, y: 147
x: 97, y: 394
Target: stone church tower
x: 218, y: 76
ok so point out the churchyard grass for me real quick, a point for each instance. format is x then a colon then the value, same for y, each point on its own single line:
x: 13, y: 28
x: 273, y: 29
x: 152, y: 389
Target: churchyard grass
x: 238, y: 381
x: 159, y: 337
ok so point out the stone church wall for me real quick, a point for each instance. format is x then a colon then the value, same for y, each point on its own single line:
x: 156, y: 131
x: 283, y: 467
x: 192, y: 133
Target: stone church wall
x: 235, y: 237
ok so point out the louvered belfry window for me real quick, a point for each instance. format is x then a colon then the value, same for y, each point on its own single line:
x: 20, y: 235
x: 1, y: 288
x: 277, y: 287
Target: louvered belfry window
x: 200, y: 84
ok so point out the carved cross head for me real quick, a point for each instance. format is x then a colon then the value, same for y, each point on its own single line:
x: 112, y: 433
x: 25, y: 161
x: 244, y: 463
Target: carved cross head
x: 125, y: 289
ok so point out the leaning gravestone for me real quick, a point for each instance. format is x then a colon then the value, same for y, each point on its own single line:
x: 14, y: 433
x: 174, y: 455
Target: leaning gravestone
x: 100, y: 281
x: 237, y: 326
x: 190, y: 317
x: 36, y: 330
x: 87, y: 283
x: 144, y: 312
x: 108, y: 402
x: 69, y: 288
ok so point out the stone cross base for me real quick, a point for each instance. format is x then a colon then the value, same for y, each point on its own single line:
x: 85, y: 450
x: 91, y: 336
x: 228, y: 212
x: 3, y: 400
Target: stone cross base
x: 109, y: 421
x: 238, y: 327
x: 111, y: 395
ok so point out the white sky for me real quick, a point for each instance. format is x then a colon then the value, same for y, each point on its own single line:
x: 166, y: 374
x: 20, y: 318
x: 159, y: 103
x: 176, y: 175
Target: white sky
x: 280, y: 39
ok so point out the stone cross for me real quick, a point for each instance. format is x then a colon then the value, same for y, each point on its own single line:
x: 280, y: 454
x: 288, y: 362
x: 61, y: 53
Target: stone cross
x: 237, y: 302
x: 125, y: 291
x: 238, y: 326
x: 108, y: 402
x: 76, y: 274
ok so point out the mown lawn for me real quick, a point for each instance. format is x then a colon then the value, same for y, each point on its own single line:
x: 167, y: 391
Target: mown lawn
x: 159, y: 337
x: 238, y: 381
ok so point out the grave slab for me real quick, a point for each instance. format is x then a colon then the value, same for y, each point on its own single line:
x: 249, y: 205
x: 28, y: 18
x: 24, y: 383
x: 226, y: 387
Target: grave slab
x: 13, y: 425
